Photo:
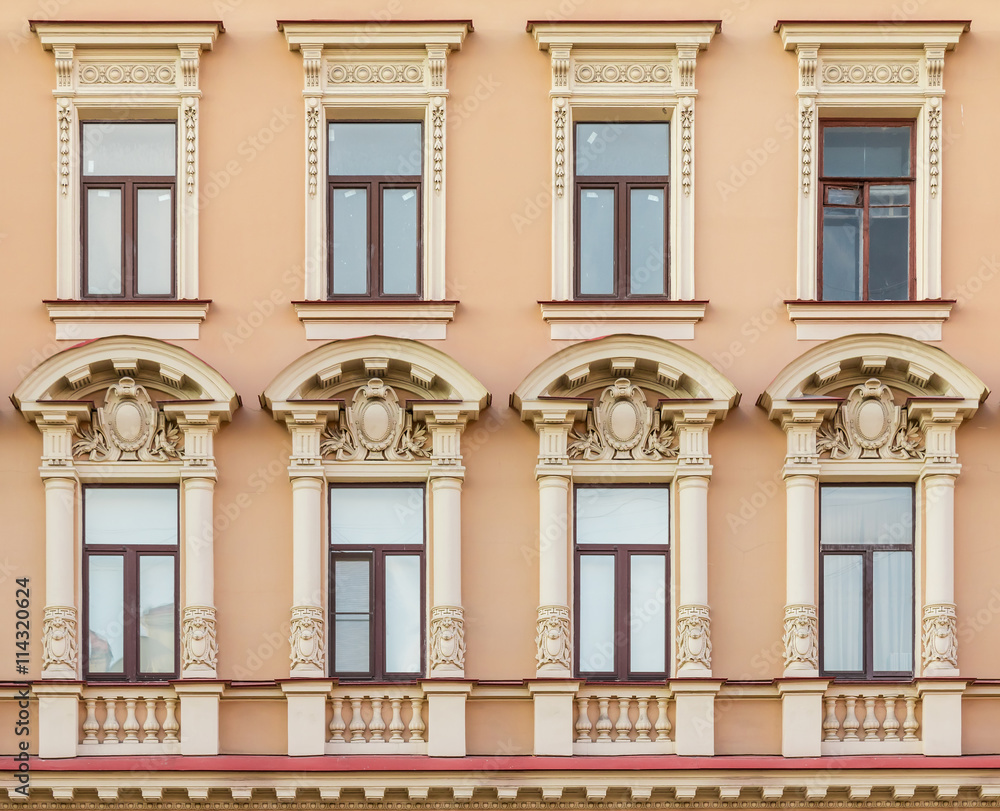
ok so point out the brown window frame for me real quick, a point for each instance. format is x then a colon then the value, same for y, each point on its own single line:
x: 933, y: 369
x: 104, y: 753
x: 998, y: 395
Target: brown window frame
x: 131, y: 555
x: 868, y: 552
x: 865, y: 185
x: 374, y: 185
x: 129, y: 185
x: 622, y: 554
x: 622, y: 186
x: 375, y: 555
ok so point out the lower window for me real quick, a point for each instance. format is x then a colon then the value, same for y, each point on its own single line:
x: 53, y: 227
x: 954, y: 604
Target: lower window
x: 377, y: 581
x: 866, y: 581
x: 622, y: 562
x: 130, y: 558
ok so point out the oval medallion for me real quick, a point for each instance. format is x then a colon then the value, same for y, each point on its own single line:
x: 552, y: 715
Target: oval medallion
x: 376, y: 422
x: 128, y: 421
x: 624, y: 421
x: 871, y: 420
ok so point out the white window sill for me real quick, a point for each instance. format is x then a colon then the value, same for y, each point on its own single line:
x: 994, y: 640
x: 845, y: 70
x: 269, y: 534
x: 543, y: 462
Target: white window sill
x: 336, y: 320
x: 825, y: 320
x: 585, y: 320
x: 163, y: 319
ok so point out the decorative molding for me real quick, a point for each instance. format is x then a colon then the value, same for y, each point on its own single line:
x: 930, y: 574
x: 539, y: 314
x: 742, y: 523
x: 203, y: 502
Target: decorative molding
x: 128, y: 73
x: 337, y: 320
x: 871, y: 72
x: 199, y: 648
x: 622, y: 72
x: 869, y: 425
x: 59, y: 639
x: 934, y: 57
x: 801, y: 637
x: 825, y: 320
x: 694, y: 637
x: 808, y: 116
x: 64, y: 114
x: 312, y: 127
x: 437, y: 64
x: 552, y: 638
x: 190, y: 141
x: 561, y: 112
x: 437, y: 127
x: 808, y: 59
x: 939, y: 640
x: 375, y: 427
x: 308, y: 648
x: 129, y: 427
x: 375, y: 73
x: 623, y: 427
x: 687, y: 142
x: 934, y: 145
x: 447, y: 638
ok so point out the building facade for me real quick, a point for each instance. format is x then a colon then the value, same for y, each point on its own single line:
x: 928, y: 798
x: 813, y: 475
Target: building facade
x: 578, y: 405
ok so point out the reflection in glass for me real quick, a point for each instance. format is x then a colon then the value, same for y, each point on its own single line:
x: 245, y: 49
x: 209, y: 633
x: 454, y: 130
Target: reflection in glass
x: 866, y: 515
x: 402, y: 614
x: 129, y: 148
x: 638, y: 515
x: 399, y: 241
x: 352, y: 615
x: 350, y: 241
x: 130, y: 515
x: 842, y: 254
x: 375, y: 148
x: 376, y: 515
x: 843, y: 613
x: 104, y: 242
x: 892, y: 595
x: 597, y: 242
x: 615, y: 149
x: 154, y: 248
x: 646, y: 249
x: 866, y: 151
x: 156, y: 614
x: 889, y: 243
x: 106, y: 614
x: 647, y: 613
x: 597, y: 613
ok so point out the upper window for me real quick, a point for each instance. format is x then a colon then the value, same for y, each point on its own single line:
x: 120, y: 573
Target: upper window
x: 867, y: 231
x: 866, y: 578
x: 621, y: 565
x: 130, y: 557
x: 375, y: 184
x: 376, y: 581
x: 622, y: 186
x: 128, y: 232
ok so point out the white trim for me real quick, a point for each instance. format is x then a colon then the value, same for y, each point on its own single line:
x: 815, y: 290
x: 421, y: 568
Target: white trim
x: 823, y: 321
x: 86, y: 320
x: 417, y: 320
x: 583, y: 321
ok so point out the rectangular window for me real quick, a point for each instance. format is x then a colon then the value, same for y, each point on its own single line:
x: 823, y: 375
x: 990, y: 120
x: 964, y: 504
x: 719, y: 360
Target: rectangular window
x: 622, y: 182
x: 128, y: 218
x: 130, y: 576
x: 377, y: 581
x: 866, y: 215
x: 866, y: 581
x: 375, y: 184
x: 622, y: 566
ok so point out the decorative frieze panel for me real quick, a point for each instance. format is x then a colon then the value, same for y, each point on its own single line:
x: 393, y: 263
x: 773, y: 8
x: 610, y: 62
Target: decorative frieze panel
x: 868, y: 425
x: 879, y: 73
x: 694, y: 638
x: 59, y: 639
x: 447, y: 638
x: 939, y: 639
x: 623, y: 72
x: 801, y: 638
x: 124, y: 73
x: 622, y: 426
x: 552, y: 638
x: 374, y: 73
x: 199, y: 648
x: 308, y: 649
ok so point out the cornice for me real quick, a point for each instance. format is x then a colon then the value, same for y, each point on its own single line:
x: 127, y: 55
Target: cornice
x: 870, y: 33
x: 124, y: 34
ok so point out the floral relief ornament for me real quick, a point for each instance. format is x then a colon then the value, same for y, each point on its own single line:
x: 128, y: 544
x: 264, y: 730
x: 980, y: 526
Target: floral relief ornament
x: 801, y: 638
x: 623, y: 427
x: 374, y: 427
x: 939, y: 639
x: 869, y: 425
x: 129, y: 427
x: 306, y: 639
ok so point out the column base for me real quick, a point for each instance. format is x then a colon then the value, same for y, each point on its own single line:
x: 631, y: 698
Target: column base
x: 199, y: 716
x: 694, y: 710
x: 553, y: 712
x: 802, y: 716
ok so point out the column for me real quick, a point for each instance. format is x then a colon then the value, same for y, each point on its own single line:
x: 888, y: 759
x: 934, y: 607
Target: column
x: 60, y: 632
x: 199, y: 649
x: 801, y: 622
x: 694, y: 645
x: 940, y: 651
x: 308, y: 647
x: 553, y: 627
x: 447, y: 627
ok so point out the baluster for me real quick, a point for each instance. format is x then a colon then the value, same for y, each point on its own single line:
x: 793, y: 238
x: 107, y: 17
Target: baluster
x: 90, y: 725
x: 642, y: 723
x: 131, y: 725
x: 337, y: 725
x: 171, y: 726
x: 396, y: 722
x: 891, y: 723
x: 583, y: 725
x: 851, y: 720
x: 110, y: 723
x: 377, y: 725
x: 831, y: 726
x: 623, y: 726
x: 910, y: 724
x: 603, y: 721
x: 358, y: 725
x: 151, y: 726
x: 871, y: 723
x: 417, y: 725
x: 662, y: 727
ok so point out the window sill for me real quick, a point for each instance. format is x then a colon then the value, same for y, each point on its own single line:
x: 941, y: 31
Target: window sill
x: 336, y: 320
x: 165, y: 319
x: 824, y: 320
x: 585, y: 320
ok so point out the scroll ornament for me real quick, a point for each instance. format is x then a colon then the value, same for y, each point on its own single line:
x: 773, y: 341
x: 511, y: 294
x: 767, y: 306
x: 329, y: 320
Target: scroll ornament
x: 623, y: 427
x: 375, y: 427
x: 129, y: 427
x: 868, y: 425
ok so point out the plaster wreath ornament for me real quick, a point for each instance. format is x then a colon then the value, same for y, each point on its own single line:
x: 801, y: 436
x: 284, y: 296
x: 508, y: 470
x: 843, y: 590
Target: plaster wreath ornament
x: 623, y: 427
x: 447, y: 638
x: 375, y: 427
x: 869, y: 425
x: 694, y: 639
x: 939, y: 639
x: 198, y: 642
x: 801, y: 638
x: 552, y: 639
x: 59, y: 638
x: 306, y: 639
x: 129, y: 427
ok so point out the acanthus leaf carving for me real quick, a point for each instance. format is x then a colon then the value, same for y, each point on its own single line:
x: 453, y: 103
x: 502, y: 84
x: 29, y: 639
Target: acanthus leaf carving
x: 306, y: 638
x: 199, y: 648
x: 552, y: 637
x: 869, y: 425
x: 447, y: 637
x: 801, y: 637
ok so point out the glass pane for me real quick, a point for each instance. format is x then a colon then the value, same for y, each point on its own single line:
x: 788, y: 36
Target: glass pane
x: 597, y: 242
x: 154, y: 241
x: 633, y: 515
x: 842, y: 254
x: 352, y: 606
x: 104, y: 242
x: 130, y: 515
x: 892, y: 612
x: 106, y: 614
x: 399, y: 241
x: 597, y: 613
x: 648, y: 614
x: 647, y: 212
x: 866, y: 151
x: 352, y: 586
x: 402, y: 614
x: 843, y: 197
x: 156, y: 614
x: 889, y: 195
x: 351, y: 641
x: 129, y: 148
x: 866, y: 515
x: 613, y: 149
x: 889, y: 253
x: 384, y: 148
x: 350, y: 241
x: 843, y: 613
x: 376, y: 515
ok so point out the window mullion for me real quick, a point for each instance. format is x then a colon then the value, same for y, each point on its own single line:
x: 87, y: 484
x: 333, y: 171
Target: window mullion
x: 375, y: 238
x: 623, y: 232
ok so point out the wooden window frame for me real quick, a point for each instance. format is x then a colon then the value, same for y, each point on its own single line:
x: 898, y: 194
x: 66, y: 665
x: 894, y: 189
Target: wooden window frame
x: 374, y: 186
x: 132, y: 555
x: 622, y: 554
x: 129, y: 185
x: 865, y: 185
x: 622, y: 186
x: 868, y: 552
x: 375, y: 555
